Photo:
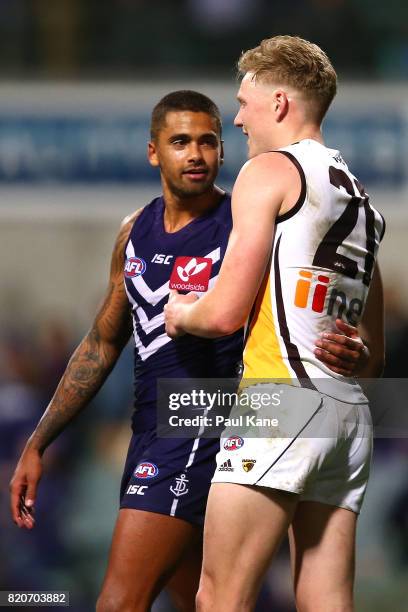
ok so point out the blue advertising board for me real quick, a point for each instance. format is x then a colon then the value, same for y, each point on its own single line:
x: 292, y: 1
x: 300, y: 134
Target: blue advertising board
x: 90, y: 149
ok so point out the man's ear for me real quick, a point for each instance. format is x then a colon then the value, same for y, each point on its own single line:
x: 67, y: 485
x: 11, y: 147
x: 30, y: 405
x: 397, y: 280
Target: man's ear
x: 280, y: 104
x: 152, y: 154
x: 222, y: 153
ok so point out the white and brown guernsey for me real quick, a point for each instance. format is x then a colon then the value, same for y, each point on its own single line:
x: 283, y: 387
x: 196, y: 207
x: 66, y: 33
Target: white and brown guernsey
x: 320, y: 269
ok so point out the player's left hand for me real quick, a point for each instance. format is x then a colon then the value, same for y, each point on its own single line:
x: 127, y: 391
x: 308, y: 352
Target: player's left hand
x: 174, y: 310
x: 344, y: 352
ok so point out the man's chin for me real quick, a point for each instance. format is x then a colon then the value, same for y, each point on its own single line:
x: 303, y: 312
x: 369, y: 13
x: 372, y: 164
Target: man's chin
x: 192, y: 191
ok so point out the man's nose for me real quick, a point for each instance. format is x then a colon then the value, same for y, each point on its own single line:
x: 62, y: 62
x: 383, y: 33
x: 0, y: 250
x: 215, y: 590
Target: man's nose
x: 238, y: 120
x: 194, y: 152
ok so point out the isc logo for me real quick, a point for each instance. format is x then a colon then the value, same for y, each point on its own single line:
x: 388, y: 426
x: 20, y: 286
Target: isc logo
x: 136, y: 489
x: 134, y: 266
x: 146, y: 470
x: 317, y: 299
x: 233, y: 443
x: 160, y: 258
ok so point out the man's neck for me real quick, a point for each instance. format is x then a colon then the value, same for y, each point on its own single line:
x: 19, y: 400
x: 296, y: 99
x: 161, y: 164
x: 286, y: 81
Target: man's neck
x: 305, y: 132
x: 179, y: 211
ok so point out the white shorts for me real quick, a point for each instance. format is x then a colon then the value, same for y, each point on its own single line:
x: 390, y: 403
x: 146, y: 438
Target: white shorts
x: 317, y: 447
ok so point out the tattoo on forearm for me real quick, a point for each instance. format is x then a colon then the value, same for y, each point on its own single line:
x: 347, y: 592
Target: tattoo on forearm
x: 85, y: 373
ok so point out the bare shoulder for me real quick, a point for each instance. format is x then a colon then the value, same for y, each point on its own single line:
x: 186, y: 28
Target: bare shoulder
x: 265, y: 166
x: 273, y: 174
x: 126, y: 227
x: 129, y: 220
x: 118, y: 255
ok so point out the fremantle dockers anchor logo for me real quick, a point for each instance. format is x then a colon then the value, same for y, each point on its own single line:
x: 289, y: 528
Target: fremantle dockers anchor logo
x: 180, y: 487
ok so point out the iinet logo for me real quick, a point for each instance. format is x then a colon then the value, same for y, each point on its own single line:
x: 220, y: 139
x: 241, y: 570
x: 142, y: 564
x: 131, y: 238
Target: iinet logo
x: 303, y: 289
x: 316, y: 299
x: 191, y: 274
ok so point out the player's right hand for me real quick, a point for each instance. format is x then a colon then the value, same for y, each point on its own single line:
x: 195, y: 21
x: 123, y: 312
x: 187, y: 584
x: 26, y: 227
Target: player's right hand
x: 173, y: 312
x: 23, y: 488
x: 344, y: 352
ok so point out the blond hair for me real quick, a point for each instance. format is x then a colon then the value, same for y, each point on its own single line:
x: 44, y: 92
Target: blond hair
x: 293, y: 61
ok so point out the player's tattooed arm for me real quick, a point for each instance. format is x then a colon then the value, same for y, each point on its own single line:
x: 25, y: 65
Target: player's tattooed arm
x: 96, y: 355
x: 86, y: 371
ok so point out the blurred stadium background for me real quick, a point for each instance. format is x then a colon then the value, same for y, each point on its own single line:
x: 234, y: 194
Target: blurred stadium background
x: 78, y: 79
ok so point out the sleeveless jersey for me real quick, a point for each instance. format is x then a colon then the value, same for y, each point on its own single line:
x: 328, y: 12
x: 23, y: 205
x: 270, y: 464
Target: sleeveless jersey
x: 321, y: 265
x: 186, y: 260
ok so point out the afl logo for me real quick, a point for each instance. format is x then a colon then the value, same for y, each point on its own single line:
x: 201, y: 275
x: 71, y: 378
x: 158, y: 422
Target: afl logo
x: 146, y: 470
x: 233, y: 443
x: 134, y: 266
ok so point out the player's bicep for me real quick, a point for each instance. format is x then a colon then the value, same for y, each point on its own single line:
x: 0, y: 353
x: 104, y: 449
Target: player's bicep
x: 113, y: 320
x: 244, y: 266
x: 255, y: 203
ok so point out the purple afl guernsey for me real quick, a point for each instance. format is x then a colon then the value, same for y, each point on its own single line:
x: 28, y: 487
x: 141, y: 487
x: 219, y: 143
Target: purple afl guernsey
x: 186, y: 260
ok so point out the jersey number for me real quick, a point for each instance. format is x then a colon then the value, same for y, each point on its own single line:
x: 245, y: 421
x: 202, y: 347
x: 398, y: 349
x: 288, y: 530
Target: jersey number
x: 326, y: 255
